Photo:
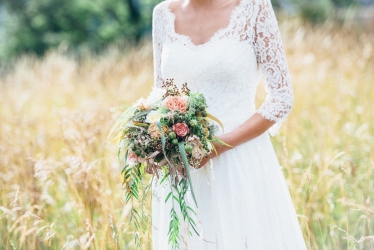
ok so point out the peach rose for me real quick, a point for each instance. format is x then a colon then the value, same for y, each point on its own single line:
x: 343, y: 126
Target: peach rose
x: 155, y: 132
x: 176, y: 103
x: 181, y: 129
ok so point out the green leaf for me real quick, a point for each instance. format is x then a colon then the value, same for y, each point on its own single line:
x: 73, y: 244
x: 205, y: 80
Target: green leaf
x: 192, y: 221
x: 136, y: 212
x: 162, y: 135
x: 126, y: 155
x: 140, y: 124
x: 193, y: 227
x: 124, y: 118
x: 124, y: 168
x: 164, y: 178
x: 167, y: 197
x: 142, y: 113
x: 216, y: 139
x: 210, y: 116
x: 185, y: 162
x: 128, y: 170
x: 176, y: 198
x: 128, y: 197
x: 190, y: 208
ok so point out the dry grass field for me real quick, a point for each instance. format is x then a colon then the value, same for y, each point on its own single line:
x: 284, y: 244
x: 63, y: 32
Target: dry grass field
x: 59, y: 181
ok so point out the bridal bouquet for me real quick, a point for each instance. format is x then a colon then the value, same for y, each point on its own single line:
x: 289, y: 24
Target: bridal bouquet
x: 164, y: 135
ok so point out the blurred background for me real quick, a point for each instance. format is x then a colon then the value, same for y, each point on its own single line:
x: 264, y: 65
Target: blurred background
x: 35, y: 26
x: 66, y: 67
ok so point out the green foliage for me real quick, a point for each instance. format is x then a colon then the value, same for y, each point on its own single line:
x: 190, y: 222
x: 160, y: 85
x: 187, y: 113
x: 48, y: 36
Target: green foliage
x: 195, y: 101
x: 276, y: 4
x: 174, y: 227
x: 80, y: 25
x: 186, y: 166
x: 315, y: 11
x: 177, y: 194
x: 36, y: 25
x: 345, y: 3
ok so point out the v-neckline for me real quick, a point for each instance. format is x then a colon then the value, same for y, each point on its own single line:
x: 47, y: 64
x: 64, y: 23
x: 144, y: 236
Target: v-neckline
x: 188, y: 38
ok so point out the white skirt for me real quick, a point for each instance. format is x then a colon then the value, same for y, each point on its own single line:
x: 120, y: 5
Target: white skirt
x: 243, y: 203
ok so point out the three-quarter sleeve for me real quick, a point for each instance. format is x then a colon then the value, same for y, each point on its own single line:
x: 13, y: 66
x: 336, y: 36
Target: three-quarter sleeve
x: 272, y: 62
x: 157, y: 42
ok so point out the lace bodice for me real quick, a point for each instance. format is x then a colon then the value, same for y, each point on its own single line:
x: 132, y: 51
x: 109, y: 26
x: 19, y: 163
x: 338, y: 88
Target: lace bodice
x: 227, y: 68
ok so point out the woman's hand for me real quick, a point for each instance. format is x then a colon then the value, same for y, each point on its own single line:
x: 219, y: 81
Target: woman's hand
x: 220, y: 148
x: 253, y: 127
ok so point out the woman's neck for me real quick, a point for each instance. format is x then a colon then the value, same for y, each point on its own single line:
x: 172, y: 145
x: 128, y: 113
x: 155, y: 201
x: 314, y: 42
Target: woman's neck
x: 201, y: 3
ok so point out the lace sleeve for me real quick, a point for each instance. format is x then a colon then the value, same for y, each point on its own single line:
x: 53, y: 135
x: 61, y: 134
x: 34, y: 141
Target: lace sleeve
x: 157, y: 42
x: 271, y: 59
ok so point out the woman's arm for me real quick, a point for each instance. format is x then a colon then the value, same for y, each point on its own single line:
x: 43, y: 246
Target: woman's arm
x: 253, y: 127
x: 272, y: 62
x: 271, y: 59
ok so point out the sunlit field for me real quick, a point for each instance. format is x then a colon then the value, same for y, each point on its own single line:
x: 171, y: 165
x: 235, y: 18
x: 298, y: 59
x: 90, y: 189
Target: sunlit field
x: 59, y: 180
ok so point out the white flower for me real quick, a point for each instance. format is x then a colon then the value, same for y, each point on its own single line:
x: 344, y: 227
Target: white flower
x: 153, y: 117
x: 198, y: 152
x: 194, y: 140
x: 140, y: 102
x: 155, y: 96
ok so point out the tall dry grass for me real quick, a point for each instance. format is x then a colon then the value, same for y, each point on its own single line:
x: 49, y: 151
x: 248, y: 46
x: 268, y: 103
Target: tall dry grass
x: 59, y: 180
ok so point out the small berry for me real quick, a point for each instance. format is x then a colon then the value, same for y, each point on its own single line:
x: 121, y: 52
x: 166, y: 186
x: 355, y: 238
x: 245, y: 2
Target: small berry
x: 193, y: 123
x: 172, y: 135
x: 188, y: 148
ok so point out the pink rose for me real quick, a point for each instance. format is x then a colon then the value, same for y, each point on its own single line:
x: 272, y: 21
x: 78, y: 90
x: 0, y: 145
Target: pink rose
x: 176, y: 103
x: 181, y: 129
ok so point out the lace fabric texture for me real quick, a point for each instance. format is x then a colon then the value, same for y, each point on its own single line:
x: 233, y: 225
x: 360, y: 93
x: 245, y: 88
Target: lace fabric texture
x: 252, y: 23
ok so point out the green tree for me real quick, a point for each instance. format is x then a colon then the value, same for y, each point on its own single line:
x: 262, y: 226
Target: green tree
x: 345, y: 3
x: 36, y: 25
x: 315, y: 11
x: 276, y: 4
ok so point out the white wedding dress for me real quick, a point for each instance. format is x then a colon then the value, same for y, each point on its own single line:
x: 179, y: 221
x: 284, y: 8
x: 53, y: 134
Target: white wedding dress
x: 243, y: 200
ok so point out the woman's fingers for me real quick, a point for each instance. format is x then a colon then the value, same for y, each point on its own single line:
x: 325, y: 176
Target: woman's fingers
x: 204, y: 160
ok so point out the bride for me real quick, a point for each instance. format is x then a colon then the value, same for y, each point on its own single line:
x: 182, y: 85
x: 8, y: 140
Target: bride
x: 221, y: 48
